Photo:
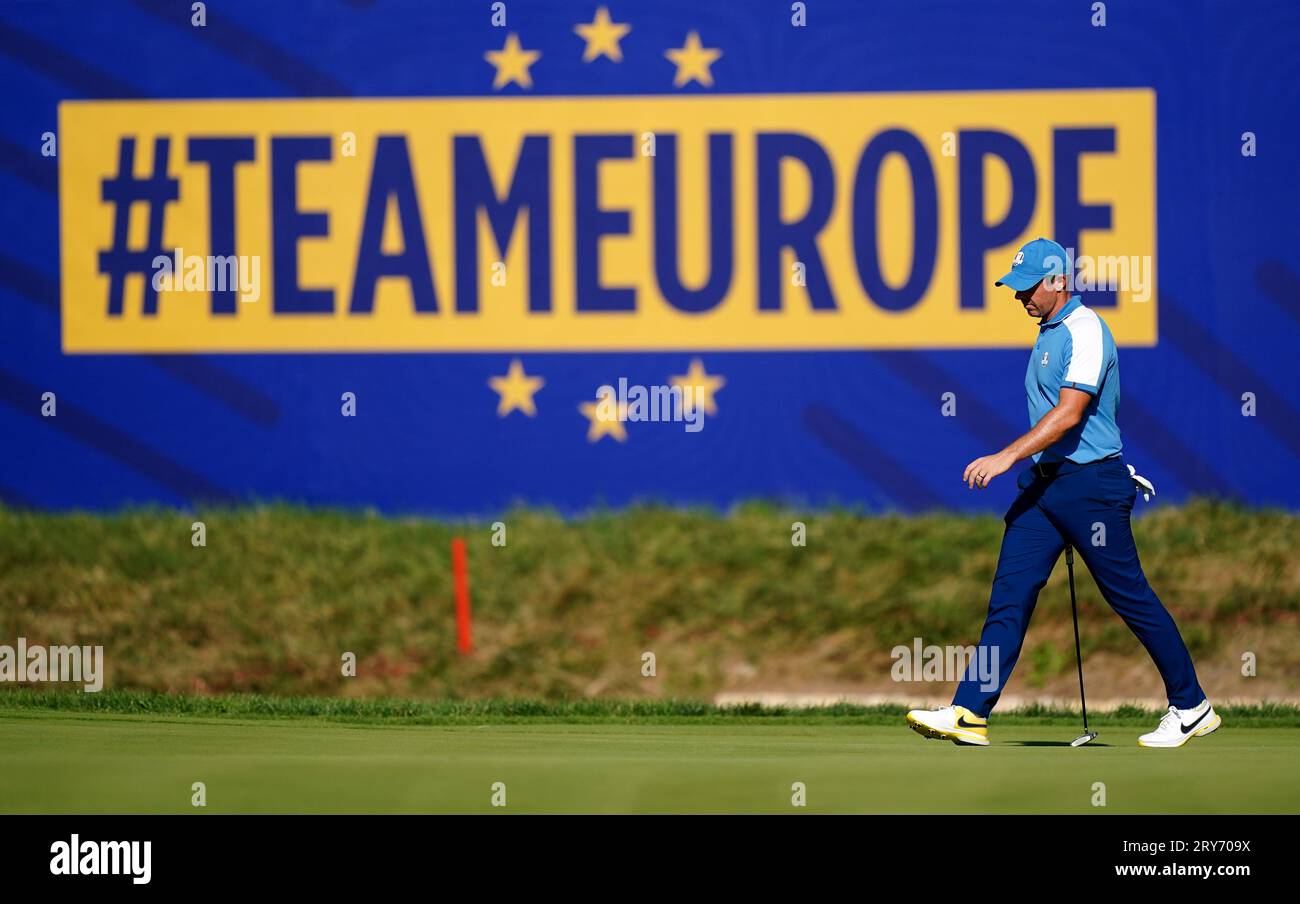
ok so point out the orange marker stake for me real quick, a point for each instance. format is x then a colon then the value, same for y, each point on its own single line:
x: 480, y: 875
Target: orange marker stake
x: 460, y: 577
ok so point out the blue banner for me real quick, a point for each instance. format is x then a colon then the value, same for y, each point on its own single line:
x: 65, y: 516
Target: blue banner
x: 444, y: 258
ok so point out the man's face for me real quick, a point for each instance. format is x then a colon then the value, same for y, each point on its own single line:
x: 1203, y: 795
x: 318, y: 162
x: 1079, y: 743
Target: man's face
x: 1038, y: 300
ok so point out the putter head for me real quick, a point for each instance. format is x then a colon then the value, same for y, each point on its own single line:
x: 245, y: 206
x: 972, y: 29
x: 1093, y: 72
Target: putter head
x: 1083, y: 739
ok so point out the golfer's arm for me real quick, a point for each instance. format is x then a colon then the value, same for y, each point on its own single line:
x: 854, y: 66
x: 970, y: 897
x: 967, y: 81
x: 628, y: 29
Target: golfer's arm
x: 1051, y: 426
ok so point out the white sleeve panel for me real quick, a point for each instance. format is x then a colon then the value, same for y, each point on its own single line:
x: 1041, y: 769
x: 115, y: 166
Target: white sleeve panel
x: 1086, y: 348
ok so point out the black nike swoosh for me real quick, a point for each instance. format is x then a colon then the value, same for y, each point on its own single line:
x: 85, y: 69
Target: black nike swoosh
x: 1187, y: 728
x: 962, y: 723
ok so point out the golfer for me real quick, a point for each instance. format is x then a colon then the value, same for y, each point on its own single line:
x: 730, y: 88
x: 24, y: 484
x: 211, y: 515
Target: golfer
x: 1078, y: 491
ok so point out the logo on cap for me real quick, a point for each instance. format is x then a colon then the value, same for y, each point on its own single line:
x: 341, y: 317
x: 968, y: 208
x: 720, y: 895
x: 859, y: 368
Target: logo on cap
x: 1020, y: 259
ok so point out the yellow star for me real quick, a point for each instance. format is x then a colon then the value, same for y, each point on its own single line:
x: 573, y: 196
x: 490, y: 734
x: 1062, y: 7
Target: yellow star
x: 602, y: 36
x: 512, y: 63
x: 516, y: 389
x: 693, y: 61
x: 703, y: 385
x: 603, y: 423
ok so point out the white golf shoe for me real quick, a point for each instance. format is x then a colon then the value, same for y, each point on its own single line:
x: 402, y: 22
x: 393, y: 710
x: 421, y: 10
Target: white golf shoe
x: 1181, y: 725
x: 950, y: 723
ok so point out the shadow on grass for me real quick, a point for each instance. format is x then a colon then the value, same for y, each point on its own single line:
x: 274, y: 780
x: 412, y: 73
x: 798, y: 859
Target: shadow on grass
x: 1054, y: 744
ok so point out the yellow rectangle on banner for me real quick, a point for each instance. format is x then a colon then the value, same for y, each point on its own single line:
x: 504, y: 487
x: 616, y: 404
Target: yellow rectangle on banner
x: 797, y: 221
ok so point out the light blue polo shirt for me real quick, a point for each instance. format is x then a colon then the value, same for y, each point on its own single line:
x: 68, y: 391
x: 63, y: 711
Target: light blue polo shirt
x: 1075, y: 350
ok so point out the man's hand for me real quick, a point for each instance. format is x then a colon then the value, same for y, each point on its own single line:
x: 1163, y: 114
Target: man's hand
x: 979, y: 472
x: 1051, y: 427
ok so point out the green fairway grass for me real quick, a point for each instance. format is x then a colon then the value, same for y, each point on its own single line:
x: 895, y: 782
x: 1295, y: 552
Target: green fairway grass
x: 73, y: 761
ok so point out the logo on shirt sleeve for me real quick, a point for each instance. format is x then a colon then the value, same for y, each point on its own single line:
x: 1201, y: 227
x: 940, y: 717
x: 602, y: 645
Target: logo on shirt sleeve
x: 1044, y: 361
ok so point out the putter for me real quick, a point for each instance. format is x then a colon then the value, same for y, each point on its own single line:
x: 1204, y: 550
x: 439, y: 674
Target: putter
x: 1078, y: 654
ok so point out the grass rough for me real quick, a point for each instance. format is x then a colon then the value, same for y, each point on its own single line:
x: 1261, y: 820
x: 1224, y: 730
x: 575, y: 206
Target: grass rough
x: 567, y: 608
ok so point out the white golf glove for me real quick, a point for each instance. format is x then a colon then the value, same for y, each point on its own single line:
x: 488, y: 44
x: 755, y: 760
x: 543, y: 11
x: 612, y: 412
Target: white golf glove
x: 1144, y: 486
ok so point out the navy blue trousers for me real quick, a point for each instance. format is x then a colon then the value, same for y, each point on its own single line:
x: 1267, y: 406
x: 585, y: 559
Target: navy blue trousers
x: 1087, y: 506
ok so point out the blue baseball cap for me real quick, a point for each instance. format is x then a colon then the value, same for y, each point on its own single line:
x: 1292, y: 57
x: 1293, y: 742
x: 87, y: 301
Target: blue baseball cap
x: 1033, y: 263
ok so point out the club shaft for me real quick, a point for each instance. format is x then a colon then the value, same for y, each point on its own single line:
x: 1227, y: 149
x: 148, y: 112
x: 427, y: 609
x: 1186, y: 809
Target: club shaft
x: 1078, y: 652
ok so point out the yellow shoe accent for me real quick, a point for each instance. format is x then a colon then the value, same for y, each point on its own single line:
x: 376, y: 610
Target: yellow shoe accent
x: 1207, y: 728
x: 1213, y: 726
x: 951, y: 723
